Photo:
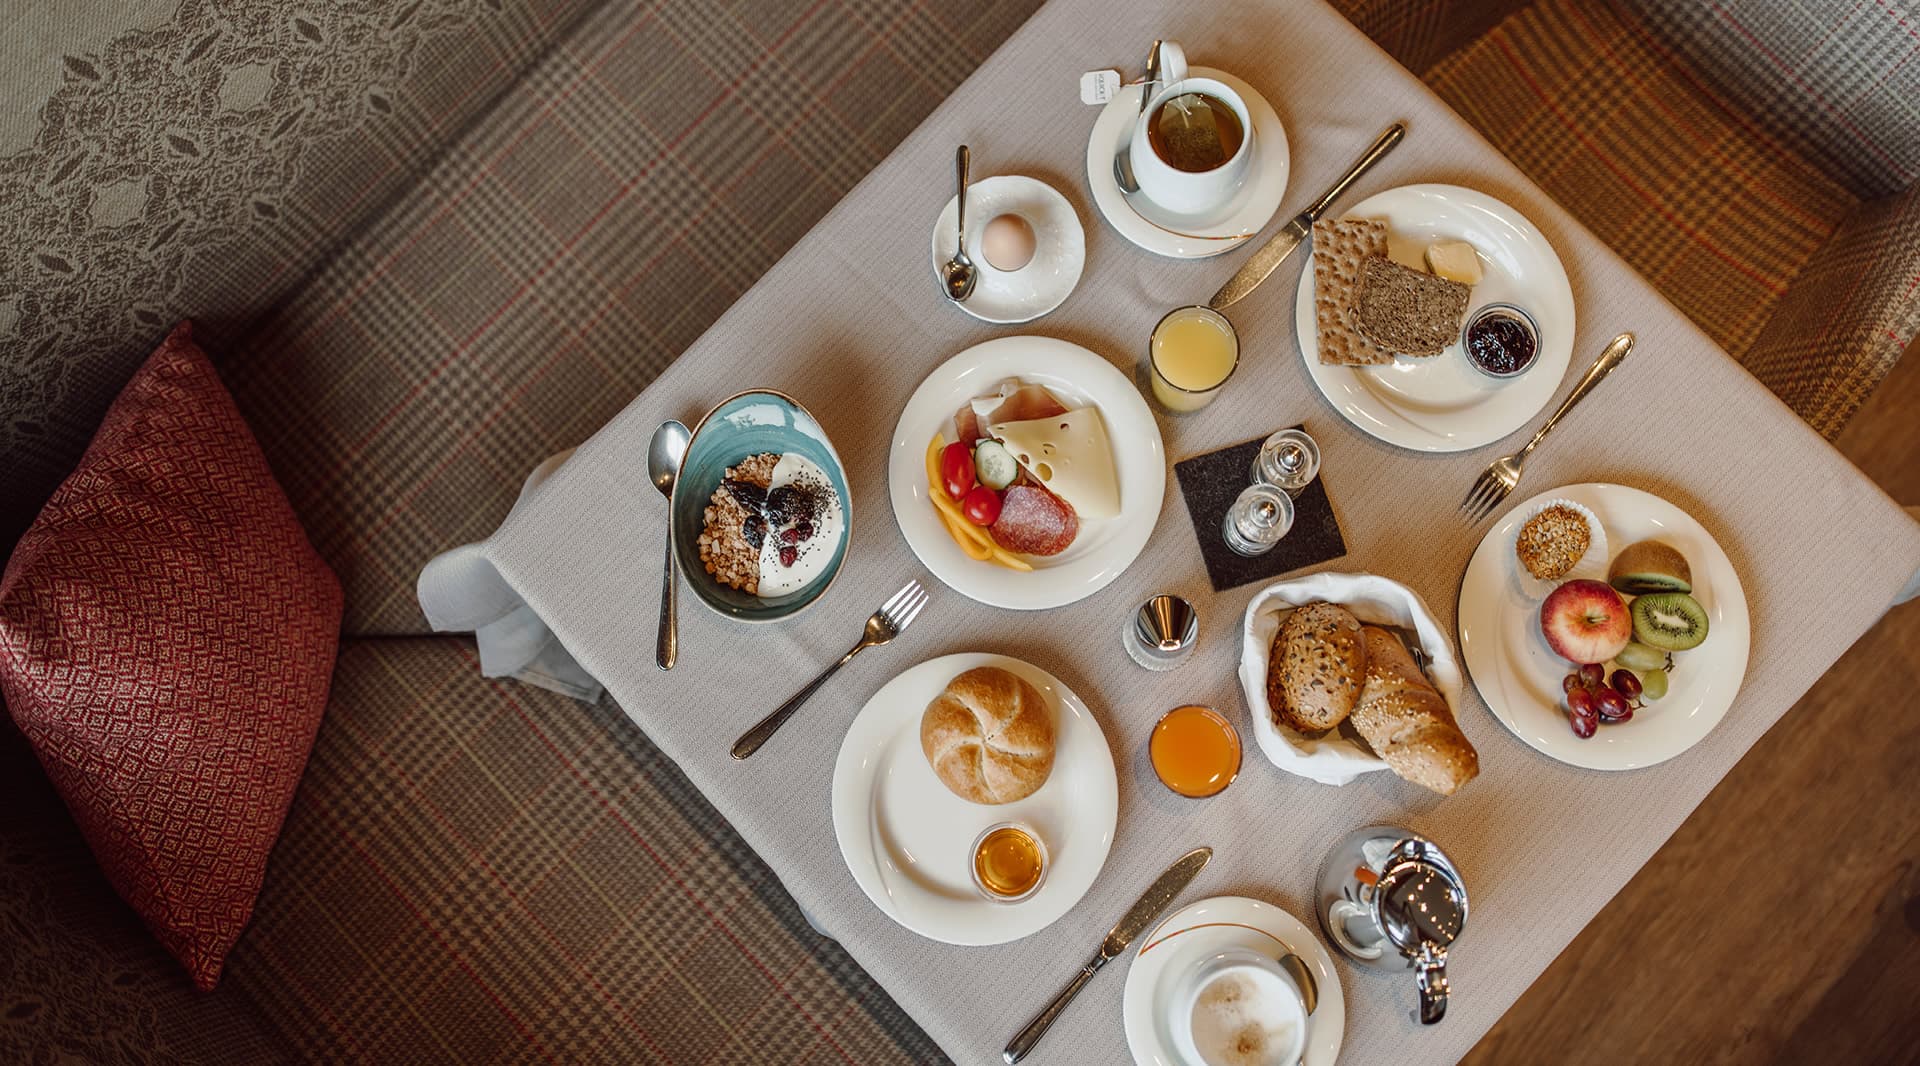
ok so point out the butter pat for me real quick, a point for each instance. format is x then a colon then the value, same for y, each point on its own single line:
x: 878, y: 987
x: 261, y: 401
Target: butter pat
x: 1455, y: 261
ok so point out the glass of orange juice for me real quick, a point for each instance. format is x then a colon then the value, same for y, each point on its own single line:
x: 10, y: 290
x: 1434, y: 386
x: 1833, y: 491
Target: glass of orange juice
x: 1193, y: 352
x: 1195, y: 751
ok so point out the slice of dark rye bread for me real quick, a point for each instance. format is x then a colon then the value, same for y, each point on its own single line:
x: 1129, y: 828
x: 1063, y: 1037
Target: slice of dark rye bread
x: 1408, y: 311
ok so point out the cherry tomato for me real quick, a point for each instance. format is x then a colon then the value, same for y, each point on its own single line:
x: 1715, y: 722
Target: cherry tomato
x: 981, y: 506
x: 956, y: 470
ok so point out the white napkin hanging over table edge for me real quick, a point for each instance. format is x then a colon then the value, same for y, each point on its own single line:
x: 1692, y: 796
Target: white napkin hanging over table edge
x: 461, y: 591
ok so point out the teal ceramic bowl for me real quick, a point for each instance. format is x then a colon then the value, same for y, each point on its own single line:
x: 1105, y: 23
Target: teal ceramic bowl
x: 748, y: 424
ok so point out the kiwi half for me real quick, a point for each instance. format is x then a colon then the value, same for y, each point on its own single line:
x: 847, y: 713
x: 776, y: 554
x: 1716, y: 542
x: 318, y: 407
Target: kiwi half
x: 1650, y: 566
x: 1670, y: 621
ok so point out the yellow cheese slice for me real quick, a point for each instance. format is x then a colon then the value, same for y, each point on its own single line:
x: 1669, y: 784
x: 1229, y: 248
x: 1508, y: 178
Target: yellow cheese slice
x: 1071, y: 456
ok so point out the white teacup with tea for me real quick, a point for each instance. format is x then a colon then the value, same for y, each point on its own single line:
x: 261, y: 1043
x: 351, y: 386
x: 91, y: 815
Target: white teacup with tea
x: 1192, y: 145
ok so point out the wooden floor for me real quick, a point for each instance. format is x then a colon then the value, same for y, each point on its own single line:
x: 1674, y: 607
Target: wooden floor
x: 1782, y: 922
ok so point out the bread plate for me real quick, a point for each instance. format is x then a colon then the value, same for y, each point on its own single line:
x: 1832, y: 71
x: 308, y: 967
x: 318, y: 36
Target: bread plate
x: 1441, y: 403
x: 907, y: 839
x: 1337, y: 756
x: 1519, y: 676
x: 1188, y: 937
x: 1105, y: 547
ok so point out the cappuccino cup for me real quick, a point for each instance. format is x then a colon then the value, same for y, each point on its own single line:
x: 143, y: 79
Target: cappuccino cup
x: 1239, y: 1007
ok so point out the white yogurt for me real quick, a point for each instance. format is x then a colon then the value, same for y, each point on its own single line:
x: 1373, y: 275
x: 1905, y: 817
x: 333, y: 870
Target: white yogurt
x: 816, y: 552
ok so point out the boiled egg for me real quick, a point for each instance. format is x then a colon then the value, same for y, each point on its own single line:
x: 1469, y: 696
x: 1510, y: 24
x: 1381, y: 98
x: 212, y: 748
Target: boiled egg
x: 1007, y: 242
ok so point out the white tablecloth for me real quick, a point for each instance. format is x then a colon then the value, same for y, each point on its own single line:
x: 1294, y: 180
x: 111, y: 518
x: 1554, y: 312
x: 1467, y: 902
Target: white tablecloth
x: 850, y: 321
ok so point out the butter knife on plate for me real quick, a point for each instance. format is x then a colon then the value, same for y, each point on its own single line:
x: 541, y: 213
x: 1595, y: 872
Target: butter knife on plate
x: 1131, y: 924
x: 1271, y: 254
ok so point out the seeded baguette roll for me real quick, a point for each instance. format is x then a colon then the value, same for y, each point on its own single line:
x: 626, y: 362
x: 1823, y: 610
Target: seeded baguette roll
x: 1316, y: 668
x: 1409, y: 724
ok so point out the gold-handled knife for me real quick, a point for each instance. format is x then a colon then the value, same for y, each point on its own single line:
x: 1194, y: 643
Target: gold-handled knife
x: 1144, y: 910
x: 1300, y: 227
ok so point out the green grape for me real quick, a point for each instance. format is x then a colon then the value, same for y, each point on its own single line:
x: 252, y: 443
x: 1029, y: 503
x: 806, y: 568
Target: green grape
x: 1638, y: 657
x: 1653, y: 684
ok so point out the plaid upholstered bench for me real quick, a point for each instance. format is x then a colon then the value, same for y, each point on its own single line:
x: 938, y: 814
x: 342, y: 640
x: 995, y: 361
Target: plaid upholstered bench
x: 434, y: 242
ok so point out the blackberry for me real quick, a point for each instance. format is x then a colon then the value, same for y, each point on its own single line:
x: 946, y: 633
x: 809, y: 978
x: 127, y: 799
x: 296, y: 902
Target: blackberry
x: 751, y: 496
x: 754, y: 528
x: 791, y: 503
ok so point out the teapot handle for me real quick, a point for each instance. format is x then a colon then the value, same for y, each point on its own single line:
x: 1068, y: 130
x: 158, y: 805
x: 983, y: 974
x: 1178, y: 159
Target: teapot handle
x: 1430, y: 974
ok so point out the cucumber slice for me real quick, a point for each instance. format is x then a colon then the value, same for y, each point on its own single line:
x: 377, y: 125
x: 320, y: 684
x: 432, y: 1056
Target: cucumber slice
x: 994, y: 464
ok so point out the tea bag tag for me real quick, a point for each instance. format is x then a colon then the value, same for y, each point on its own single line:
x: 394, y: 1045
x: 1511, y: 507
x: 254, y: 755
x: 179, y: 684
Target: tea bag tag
x: 1099, y: 86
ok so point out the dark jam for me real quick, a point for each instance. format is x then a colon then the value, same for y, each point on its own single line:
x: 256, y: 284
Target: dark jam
x: 1500, y: 344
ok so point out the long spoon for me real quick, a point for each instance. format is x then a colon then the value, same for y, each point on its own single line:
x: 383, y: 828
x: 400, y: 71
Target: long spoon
x: 957, y: 275
x: 664, y: 453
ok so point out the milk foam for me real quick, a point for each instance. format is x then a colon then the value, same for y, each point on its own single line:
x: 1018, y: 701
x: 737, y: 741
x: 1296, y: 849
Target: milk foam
x: 1246, y: 1018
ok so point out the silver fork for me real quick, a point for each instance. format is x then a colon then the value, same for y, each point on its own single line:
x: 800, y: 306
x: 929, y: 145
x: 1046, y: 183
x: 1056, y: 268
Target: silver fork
x: 886, y: 624
x: 1499, y: 478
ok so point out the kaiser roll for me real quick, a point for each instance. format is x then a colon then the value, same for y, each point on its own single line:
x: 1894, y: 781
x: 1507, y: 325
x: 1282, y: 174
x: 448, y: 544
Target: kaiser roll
x: 989, y: 736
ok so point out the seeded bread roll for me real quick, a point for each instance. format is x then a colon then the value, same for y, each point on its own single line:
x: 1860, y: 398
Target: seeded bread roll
x: 1316, y: 668
x: 989, y: 737
x: 1409, y: 724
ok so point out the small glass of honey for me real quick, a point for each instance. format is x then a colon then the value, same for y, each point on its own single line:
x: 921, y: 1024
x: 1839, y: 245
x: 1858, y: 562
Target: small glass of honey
x: 1195, y: 751
x: 1009, y: 862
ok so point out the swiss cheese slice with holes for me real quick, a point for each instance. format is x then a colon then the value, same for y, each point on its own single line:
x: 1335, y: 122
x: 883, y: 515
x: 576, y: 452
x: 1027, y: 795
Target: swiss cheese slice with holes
x: 1070, y: 455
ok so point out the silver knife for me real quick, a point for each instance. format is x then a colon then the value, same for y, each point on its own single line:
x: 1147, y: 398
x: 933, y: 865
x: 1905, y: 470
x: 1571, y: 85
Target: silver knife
x: 1144, y: 910
x: 1276, y: 251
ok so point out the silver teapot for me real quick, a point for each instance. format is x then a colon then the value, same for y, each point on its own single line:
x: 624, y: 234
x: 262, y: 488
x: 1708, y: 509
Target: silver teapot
x: 1390, y: 899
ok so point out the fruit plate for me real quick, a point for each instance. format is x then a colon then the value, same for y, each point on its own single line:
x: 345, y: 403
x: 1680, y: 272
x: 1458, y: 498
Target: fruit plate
x: 1519, y: 675
x: 1104, y: 547
x: 906, y: 837
x: 1443, y: 404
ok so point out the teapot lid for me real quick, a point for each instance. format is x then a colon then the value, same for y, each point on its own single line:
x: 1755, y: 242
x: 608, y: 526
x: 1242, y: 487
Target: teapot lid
x: 1421, y: 898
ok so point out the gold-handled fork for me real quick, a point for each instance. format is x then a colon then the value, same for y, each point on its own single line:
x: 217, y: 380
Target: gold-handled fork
x: 1499, y: 478
x: 886, y: 624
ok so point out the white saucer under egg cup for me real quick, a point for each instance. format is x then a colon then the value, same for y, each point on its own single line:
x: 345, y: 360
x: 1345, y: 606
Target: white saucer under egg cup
x: 1008, y: 297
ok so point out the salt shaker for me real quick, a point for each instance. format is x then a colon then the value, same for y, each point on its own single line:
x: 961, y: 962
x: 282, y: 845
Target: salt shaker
x: 1288, y: 460
x: 1162, y: 633
x: 1258, y: 519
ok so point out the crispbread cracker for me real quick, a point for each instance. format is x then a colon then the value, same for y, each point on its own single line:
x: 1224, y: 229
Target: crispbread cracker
x: 1341, y: 248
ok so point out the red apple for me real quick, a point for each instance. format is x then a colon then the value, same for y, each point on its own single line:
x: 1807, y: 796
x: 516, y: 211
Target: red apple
x: 1586, y: 621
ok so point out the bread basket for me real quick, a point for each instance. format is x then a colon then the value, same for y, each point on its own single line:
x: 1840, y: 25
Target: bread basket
x: 1337, y: 756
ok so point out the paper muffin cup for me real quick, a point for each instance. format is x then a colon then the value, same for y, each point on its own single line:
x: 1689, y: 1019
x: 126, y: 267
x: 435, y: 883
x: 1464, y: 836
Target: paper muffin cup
x: 1591, y: 565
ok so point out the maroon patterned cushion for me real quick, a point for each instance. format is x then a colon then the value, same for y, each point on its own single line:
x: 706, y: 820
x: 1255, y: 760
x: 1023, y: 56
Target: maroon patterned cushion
x: 166, y: 639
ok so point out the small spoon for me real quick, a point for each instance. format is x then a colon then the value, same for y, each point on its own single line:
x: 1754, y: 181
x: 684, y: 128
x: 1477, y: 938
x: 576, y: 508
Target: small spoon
x: 957, y: 274
x: 1123, y: 158
x: 1309, y: 988
x: 664, y: 453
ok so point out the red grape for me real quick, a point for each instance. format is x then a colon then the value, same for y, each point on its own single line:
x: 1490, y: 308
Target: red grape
x: 1572, y: 681
x: 1593, y: 674
x: 1626, y: 683
x: 1583, y: 727
x: 1614, y: 707
x: 1580, y: 703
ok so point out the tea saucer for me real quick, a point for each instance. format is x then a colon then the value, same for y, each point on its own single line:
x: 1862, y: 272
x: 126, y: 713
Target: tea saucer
x: 1162, y: 232
x: 1060, y: 248
x: 1210, y: 926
